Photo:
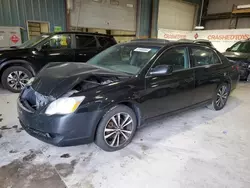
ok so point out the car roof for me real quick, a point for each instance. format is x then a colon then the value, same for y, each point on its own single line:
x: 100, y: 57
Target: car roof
x: 150, y: 42
x: 161, y: 42
x: 77, y: 32
x: 202, y: 40
x: 194, y: 41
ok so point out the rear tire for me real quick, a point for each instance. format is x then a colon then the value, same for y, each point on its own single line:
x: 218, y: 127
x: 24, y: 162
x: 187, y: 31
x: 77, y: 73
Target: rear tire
x: 220, y: 97
x: 116, y: 129
x: 15, y: 78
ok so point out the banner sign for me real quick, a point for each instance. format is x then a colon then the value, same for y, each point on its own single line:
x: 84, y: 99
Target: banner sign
x: 221, y: 39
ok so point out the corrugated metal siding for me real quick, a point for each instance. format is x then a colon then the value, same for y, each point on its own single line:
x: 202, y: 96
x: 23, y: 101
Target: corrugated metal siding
x: 221, y: 6
x: 217, y: 24
x: 193, y: 1
x: 144, y: 16
x: 243, y: 23
x: 224, y: 24
x: 174, y: 14
x: 17, y: 12
x: 216, y: 6
x: 119, y: 15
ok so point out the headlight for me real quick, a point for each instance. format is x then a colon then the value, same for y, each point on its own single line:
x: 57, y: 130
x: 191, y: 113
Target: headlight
x: 64, y: 105
x: 30, y: 81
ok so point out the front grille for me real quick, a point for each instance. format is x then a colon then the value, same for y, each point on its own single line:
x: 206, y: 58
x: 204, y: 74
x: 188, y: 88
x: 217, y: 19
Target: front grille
x: 33, y: 100
x: 44, y: 135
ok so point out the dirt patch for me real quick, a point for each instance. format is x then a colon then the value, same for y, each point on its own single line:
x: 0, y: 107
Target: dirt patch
x: 65, y: 169
x: 144, y: 147
x: 66, y: 155
x: 1, y: 135
x: 87, y: 159
x: 13, y: 151
x: 22, y: 174
x: 19, y: 130
x: 4, y: 127
x: 14, y: 126
x: 31, y: 156
x: 1, y: 119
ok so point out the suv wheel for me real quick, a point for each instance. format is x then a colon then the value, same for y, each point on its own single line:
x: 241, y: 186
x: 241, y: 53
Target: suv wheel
x: 220, y: 97
x: 116, y: 129
x: 15, y: 78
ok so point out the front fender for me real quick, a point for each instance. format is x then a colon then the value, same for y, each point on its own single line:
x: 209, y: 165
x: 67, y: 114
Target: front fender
x: 8, y: 63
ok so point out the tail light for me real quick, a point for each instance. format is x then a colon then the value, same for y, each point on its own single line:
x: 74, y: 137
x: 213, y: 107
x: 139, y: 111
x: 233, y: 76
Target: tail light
x: 236, y: 67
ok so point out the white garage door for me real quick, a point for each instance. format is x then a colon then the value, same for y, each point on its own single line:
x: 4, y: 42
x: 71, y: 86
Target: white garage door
x: 174, y: 14
x: 106, y: 14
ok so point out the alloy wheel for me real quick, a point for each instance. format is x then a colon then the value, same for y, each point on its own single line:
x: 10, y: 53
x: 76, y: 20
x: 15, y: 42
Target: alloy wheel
x: 118, y: 130
x: 222, y: 96
x: 17, y: 80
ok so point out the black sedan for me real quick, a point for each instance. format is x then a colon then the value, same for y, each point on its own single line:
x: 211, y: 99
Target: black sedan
x: 109, y: 97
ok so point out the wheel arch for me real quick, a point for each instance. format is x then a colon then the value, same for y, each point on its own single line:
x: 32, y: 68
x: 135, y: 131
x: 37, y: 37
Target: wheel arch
x: 136, y: 110
x: 129, y: 104
x: 228, y: 81
x: 17, y: 62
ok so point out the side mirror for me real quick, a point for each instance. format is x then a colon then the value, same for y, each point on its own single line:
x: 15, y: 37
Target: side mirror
x: 161, y: 70
x: 45, y: 46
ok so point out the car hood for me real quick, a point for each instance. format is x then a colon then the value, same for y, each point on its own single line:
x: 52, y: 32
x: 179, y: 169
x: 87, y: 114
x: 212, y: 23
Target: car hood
x: 57, y: 79
x: 10, y: 51
x: 236, y: 55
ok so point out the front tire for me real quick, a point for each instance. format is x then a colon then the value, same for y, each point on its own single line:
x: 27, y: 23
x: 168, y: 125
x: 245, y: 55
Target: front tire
x: 15, y: 78
x: 116, y: 129
x: 220, y: 97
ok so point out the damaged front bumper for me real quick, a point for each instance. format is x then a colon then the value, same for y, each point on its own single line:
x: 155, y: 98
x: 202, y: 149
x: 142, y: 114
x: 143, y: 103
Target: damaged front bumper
x: 60, y: 130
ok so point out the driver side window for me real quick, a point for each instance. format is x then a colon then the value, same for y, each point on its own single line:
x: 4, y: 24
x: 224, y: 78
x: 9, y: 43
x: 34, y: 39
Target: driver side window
x: 176, y: 57
x: 58, y: 42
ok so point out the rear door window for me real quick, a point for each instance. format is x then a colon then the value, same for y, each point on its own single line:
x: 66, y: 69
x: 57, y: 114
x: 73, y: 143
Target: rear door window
x: 85, y: 41
x: 106, y: 41
x: 202, y: 56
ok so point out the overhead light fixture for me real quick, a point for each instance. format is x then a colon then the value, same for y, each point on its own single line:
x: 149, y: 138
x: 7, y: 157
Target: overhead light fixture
x: 243, y: 6
x: 199, y: 27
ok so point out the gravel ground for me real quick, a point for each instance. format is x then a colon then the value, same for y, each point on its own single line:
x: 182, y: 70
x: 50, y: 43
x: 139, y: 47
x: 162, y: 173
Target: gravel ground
x: 193, y: 149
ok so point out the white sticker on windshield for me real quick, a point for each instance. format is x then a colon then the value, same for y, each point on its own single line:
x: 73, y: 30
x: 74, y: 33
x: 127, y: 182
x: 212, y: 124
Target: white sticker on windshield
x: 146, y: 50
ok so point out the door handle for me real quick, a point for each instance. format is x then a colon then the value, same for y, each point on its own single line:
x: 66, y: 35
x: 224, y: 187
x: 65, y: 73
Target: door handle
x: 188, y: 79
x: 82, y: 54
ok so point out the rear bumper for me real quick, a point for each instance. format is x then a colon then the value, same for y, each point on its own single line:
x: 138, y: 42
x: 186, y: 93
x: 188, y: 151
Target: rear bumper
x: 60, y: 130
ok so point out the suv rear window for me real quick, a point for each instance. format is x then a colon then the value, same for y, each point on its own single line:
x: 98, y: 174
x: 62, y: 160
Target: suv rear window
x: 240, y: 47
x: 106, y: 41
x: 85, y: 41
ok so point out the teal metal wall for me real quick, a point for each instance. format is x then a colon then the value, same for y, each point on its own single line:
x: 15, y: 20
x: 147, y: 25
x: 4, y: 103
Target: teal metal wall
x: 147, y: 17
x: 143, y: 18
x: 17, y: 12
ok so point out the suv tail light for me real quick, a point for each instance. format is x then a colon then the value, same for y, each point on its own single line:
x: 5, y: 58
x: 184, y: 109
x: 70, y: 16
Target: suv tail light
x: 236, y: 67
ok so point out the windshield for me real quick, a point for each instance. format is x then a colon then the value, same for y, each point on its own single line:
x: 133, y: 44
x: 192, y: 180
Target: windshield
x: 33, y: 41
x: 240, y: 47
x: 127, y: 58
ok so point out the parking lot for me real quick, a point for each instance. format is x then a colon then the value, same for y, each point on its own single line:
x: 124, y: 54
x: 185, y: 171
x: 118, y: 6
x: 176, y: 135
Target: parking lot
x: 197, y: 148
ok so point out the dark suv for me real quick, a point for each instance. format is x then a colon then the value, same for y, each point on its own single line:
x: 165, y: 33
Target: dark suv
x: 240, y: 54
x: 19, y: 64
